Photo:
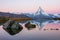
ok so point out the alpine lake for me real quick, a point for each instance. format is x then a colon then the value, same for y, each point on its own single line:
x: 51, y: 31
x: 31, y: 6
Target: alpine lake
x: 33, y: 30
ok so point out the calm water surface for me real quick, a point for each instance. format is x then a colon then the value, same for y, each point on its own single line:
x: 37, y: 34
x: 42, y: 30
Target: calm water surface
x: 42, y: 31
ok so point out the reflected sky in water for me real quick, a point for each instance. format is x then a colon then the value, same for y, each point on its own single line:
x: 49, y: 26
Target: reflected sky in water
x: 35, y: 34
x: 42, y: 22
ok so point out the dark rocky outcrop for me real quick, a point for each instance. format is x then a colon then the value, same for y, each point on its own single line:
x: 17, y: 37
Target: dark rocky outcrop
x: 12, y: 27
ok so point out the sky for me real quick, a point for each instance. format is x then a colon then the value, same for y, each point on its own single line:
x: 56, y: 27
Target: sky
x: 29, y: 5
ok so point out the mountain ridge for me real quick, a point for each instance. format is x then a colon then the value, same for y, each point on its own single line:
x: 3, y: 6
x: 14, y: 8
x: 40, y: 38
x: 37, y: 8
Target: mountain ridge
x: 39, y: 14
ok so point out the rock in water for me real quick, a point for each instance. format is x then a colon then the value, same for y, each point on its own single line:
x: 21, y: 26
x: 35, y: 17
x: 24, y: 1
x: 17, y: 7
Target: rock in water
x: 16, y: 27
x: 12, y: 27
x: 30, y: 26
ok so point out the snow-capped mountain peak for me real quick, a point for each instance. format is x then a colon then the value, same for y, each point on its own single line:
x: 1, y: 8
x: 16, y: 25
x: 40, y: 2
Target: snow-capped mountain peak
x: 40, y: 11
x: 42, y: 14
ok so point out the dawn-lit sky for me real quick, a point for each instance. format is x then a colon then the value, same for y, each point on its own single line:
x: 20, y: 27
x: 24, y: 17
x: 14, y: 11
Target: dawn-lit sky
x: 29, y: 5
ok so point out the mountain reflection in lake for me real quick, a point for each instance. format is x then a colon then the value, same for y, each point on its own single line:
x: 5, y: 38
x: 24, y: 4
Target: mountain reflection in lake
x: 37, y: 33
x: 40, y: 23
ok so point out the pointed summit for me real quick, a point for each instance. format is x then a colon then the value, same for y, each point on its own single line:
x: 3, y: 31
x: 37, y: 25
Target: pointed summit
x: 39, y: 11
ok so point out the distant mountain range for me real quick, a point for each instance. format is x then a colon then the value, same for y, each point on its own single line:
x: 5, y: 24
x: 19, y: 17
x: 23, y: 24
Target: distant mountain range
x: 12, y: 15
x: 40, y: 14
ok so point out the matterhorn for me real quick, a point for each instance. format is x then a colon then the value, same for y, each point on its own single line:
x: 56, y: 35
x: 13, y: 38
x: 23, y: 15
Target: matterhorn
x: 41, y: 14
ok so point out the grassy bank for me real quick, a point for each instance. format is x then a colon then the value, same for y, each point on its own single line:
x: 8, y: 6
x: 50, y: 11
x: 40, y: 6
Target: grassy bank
x: 20, y: 19
x: 4, y: 19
